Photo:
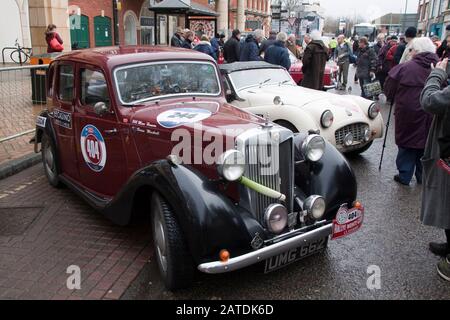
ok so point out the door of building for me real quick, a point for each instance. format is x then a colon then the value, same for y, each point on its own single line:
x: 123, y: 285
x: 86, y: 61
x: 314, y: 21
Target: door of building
x: 79, y: 31
x: 102, y: 27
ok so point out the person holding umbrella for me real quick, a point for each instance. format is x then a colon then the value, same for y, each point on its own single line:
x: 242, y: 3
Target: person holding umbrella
x: 412, y: 123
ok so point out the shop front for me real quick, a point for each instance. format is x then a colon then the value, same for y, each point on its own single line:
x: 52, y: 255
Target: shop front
x: 171, y: 14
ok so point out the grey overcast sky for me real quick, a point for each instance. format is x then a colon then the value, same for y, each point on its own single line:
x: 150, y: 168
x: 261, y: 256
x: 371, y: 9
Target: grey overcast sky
x: 366, y: 8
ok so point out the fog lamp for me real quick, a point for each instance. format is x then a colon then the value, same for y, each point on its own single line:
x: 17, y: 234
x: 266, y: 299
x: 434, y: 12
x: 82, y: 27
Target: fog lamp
x: 276, y: 218
x: 348, y: 140
x: 315, y: 207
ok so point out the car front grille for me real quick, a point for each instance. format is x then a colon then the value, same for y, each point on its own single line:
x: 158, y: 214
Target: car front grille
x: 356, y: 129
x: 270, y: 165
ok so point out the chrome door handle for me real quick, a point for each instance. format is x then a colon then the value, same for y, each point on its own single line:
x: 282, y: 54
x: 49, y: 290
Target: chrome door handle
x: 112, y: 131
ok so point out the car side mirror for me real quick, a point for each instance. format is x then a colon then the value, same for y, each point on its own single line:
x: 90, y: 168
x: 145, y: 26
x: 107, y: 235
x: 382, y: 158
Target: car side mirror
x: 100, y: 108
x: 230, y: 96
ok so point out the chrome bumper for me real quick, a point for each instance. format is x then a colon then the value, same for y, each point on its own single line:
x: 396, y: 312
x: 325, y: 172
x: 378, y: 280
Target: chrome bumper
x: 263, y: 254
x: 330, y: 87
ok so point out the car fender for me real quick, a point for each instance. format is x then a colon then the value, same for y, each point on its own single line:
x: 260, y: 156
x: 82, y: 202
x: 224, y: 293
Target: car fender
x: 49, y: 129
x: 315, y: 179
x: 209, y: 220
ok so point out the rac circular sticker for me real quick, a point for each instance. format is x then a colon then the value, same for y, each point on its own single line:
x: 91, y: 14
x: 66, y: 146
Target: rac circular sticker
x: 93, y: 148
x: 181, y: 116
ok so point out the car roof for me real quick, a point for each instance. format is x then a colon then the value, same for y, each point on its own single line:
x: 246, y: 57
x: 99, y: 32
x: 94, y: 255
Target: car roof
x: 110, y: 57
x: 241, y: 66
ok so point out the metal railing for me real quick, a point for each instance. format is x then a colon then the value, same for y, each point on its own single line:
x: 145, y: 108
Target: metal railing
x: 22, y: 98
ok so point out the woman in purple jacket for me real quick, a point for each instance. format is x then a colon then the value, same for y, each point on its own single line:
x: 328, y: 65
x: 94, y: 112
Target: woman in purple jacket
x: 403, y: 86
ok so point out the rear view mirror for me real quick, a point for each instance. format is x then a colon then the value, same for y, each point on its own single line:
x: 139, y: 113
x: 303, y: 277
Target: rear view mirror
x: 100, y: 108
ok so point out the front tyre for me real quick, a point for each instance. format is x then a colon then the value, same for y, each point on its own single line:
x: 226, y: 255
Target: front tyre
x: 174, y: 260
x: 49, y: 161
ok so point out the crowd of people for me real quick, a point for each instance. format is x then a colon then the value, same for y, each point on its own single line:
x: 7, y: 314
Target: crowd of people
x: 254, y: 47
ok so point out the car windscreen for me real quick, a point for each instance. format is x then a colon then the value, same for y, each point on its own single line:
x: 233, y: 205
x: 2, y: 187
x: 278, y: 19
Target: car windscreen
x: 256, y: 77
x: 141, y: 82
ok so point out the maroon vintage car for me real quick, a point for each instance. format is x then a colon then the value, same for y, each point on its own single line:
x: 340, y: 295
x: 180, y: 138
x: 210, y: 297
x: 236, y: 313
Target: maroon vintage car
x: 130, y: 130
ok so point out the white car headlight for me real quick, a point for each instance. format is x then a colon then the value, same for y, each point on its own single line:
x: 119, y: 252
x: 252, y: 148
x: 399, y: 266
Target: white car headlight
x: 231, y: 165
x: 374, y: 111
x: 276, y: 218
x: 327, y: 118
x: 315, y: 207
x: 313, y: 148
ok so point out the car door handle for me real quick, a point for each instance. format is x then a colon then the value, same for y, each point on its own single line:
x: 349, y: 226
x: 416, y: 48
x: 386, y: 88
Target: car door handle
x: 111, y: 132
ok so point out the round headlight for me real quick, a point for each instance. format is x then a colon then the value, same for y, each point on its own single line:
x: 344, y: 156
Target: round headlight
x: 374, y: 110
x: 348, y: 140
x: 231, y: 165
x: 315, y: 207
x: 327, y: 118
x: 276, y: 218
x: 313, y: 147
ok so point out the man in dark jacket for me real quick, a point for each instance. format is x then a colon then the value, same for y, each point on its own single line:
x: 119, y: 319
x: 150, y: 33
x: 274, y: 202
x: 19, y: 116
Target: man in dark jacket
x: 314, y: 61
x: 205, y: 46
x: 177, y: 39
x: 384, y: 66
x: 278, y: 53
x: 232, y: 48
x: 366, y: 64
x: 250, y: 48
x: 412, y: 124
x: 268, y: 42
x: 441, y: 50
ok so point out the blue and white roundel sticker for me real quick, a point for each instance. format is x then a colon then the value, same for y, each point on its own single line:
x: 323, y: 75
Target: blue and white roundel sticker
x: 93, y: 148
x: 177, y: 117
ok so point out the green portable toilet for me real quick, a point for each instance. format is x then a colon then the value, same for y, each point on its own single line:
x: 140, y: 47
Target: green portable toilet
x: 103, y: 36
x: 79, y: 31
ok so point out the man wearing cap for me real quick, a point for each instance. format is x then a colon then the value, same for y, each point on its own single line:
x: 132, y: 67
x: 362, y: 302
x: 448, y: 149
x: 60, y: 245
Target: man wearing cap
x: 403, y: 53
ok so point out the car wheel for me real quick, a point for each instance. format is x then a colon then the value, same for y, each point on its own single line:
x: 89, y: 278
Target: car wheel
x: 174, y: 260
x: 357, y: 152
x: 49, y: 161
x: 287, y: 125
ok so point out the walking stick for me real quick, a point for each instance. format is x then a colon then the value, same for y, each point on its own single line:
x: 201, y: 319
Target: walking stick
x: 386, y: 134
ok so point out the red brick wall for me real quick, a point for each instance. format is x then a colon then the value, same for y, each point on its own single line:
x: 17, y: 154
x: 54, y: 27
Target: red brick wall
x: 135, y: 6
x: 92, y: 9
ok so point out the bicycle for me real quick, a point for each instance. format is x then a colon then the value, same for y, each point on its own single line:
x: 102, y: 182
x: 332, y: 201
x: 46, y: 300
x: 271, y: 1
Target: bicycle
x: 21, y: 54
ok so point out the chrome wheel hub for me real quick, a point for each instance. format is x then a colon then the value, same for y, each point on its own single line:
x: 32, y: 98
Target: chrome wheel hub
x: 160, y: 241
x: 49, y: 159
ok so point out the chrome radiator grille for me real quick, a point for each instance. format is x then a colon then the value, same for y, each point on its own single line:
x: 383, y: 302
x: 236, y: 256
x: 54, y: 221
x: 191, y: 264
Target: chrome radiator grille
x: 357, y: 129
x: 260, y: 159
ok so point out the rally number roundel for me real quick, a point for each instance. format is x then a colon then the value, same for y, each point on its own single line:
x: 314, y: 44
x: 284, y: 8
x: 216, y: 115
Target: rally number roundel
x: 93, y: 148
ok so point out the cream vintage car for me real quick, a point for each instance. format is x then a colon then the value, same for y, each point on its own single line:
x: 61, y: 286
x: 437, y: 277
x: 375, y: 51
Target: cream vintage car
x: 350, y: 123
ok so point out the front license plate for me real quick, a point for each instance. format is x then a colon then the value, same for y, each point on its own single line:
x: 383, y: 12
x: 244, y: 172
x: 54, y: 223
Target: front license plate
x: 289, y: 257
